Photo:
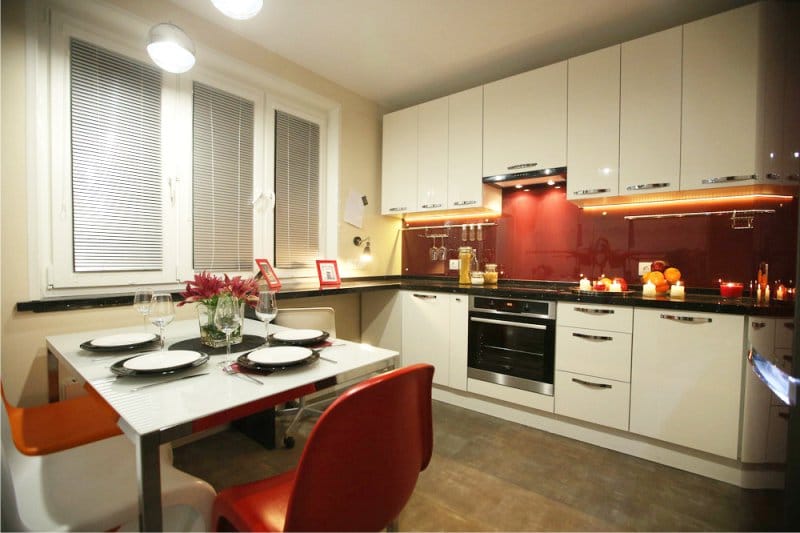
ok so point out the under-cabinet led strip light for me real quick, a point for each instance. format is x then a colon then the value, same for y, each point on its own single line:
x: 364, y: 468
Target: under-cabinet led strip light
x: 685, y: 201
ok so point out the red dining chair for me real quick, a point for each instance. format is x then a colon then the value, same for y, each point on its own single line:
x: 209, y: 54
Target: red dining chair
x: 359, y: 466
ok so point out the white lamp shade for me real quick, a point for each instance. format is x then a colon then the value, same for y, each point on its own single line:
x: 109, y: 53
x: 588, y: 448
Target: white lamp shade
x: 239, y: 9
x: 170, y: 48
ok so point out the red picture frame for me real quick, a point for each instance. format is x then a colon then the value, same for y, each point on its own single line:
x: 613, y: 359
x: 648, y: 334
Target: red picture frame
x: 269, y: 275
x: 328, y: 272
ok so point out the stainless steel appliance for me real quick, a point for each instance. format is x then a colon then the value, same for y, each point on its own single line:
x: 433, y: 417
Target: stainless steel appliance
x: 512, y: 342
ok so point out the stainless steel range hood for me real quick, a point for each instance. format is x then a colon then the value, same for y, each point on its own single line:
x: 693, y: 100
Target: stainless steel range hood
x: 546, y: 176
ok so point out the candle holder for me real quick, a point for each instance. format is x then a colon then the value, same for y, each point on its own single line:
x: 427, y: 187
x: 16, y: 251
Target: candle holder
x: 731, y: 289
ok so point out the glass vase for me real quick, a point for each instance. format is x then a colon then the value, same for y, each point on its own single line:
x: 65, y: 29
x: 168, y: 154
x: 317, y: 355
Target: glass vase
x: 210, y: 335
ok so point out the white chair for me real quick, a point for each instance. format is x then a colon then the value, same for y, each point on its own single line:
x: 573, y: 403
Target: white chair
x: 93, y: 487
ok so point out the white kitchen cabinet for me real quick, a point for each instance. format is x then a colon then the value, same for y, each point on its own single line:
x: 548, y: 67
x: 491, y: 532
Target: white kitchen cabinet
x: 525, y: 121
x: 432, y: 153
x: 728, y: 74
x: 650, y: 113
x: 757, y: 396
x: 399, y: 174
x: 777, y: 434
x: 593, y: 124
x: 790, y: 152
x: 434, y: 332
x: 593, y: 399
x: 686, y: 378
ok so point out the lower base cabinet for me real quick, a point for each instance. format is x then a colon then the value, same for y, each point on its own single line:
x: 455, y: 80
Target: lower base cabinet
x: 597, y: 400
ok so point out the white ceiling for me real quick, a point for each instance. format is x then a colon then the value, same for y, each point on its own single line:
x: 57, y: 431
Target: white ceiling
x: 403, y: 52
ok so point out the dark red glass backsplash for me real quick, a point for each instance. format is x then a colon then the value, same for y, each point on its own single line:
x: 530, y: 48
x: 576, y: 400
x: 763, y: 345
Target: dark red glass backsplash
x: 541, y: 236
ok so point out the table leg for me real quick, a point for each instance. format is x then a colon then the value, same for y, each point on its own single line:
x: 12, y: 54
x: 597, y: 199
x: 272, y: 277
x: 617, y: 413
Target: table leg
x: 148, y: 467
x: 53, y: 394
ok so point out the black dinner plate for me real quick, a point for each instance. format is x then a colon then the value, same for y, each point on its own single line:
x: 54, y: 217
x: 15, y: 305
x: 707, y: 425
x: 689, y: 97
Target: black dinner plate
x: 311, y: 341
x: 244, y: 362
x: 89, y: 347
x: 119, y: 369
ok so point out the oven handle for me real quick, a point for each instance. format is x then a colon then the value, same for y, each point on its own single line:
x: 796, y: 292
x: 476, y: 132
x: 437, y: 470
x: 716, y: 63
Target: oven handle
x: 504, y: 323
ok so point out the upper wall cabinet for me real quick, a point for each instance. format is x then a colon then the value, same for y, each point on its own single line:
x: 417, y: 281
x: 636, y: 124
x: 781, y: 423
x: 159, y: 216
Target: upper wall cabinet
x: 432, y: 154
x: 790, y: 152
x: 525, y: 121
x: 399, y: 183
x: 593, y: 124
x: 650, y: 113
x: 731, y: 78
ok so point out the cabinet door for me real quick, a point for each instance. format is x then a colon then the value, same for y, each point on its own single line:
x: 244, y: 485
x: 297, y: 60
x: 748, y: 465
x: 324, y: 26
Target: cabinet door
x: 757, y: 396
x: 790, y: 154
x: 686, y: 378
x: 525, y: 121
x: 399, y: 176
x: 426, y: 332
x: 720, y: 123
x: 464, y: 172
x: 593, y: 124
x: 650, y: 113
x: 432, y: 149
x: 459, y: 322
x: 778, y: 433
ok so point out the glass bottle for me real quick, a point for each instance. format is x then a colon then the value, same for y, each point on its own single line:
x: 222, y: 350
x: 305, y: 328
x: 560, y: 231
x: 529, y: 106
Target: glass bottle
x: 479, y: 234
x: 464, y: 263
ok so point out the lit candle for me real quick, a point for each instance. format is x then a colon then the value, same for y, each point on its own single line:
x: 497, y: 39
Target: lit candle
x: 585, y: 285
x: 649, y: 290
x: 677, y: 291
x: 615, y: 287
x: 780, y: 293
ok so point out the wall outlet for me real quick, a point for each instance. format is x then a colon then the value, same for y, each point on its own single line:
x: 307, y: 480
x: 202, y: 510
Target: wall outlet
x: 453, y: 264
x: 644, y: 267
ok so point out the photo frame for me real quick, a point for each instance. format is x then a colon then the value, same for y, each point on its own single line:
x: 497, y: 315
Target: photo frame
x: 328, y: 272
x: 269, y: 274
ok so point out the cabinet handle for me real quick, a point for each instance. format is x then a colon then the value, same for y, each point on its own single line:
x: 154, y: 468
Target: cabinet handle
x: 592, y: 337
x: 793, y: 177
x: 522, y: 165
x: 725, y: 179
x: 465, y: 202
x: 690, y: 319
x: 591, y: 384
x: 425, y: 296
x: 788, y: 325
x: 591, y: 191
x: 787, y: 358
x: 759, y: 325
x: 397, y: 208
x: 773, y: 176
x: 783, y: 415
x: 647, y: 186
x: 431, y: 206
x: 594, y: 311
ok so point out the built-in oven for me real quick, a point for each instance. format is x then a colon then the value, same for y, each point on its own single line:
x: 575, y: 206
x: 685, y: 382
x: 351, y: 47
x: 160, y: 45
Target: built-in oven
x: 512, y: 342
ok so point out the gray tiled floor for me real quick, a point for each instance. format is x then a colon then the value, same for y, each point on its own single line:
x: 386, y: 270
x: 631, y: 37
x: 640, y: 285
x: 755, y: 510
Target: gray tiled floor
x: 491, y: 475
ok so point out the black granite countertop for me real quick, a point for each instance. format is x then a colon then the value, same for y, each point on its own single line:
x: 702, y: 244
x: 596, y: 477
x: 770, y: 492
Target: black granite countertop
x: 703, y: 300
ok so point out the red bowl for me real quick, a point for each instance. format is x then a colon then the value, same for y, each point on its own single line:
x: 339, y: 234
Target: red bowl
x: 731, y: 290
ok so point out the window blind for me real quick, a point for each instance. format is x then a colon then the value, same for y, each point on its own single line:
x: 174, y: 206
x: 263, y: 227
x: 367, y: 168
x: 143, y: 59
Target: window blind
x: 297, y: 194
x: 222, y: 162
x: 115, y: 114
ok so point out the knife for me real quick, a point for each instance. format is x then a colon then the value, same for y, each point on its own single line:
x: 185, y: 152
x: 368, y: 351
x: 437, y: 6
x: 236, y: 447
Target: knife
x: 168, y: 381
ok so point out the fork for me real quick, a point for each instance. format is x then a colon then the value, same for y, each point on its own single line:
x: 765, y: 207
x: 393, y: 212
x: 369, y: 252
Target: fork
x: 229, y: 370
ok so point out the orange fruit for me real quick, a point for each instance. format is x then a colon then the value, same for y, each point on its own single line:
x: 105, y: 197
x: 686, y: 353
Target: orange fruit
x: 656, y: 278
x: 672, y: 274
x: 662, y: 287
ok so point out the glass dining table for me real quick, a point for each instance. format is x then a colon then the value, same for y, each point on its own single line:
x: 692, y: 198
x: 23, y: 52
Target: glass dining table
x: 155, y: 415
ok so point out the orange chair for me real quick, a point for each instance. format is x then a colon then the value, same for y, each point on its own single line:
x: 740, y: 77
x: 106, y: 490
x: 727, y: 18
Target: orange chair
x: 359, y: 466
x: 58, y: 426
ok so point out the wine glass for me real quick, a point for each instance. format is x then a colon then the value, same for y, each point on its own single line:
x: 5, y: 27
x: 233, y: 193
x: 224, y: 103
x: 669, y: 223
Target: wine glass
x: 141, y: 302
x: 227, y: 317
x: 267, y: 308
x: 162, y: 312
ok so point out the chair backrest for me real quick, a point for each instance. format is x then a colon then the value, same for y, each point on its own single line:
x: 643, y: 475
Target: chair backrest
x: 323, y: 318
x: 362, y: 459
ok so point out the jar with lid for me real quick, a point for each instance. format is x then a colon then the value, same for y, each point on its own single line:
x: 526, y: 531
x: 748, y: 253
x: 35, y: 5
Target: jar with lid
x: 464, y: 264
x: 490, y: 276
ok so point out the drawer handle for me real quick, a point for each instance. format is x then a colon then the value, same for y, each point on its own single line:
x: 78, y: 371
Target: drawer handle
x: 591, y: 384
x: 431, y: 206
x: 726, y: 179
x: 793, y: 177
x: 522, y: 165
x: 773, y: 176
x: 592, y: 337
x: 788, y: 325
x: 647, y: 186
x: 397, y: 208
x: 783, y: 415
x: 425, y: 296
x: 591, y: 191
x: 690, y: 319
x: 787, y: 358
x: 759, y: 325
x: 594, y: 311
x: 465, y: 202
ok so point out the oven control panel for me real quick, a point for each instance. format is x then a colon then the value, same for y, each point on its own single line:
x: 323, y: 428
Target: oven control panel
x: 513, y: 306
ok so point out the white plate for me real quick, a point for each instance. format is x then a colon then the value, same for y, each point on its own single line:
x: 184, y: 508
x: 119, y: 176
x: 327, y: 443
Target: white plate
x: 123, y: 339
x: 162, y: 360
x: 297, y: 334
x: 280, y: 355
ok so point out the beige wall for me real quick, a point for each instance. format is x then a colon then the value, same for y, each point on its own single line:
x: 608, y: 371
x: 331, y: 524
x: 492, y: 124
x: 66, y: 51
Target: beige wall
x: 23, y: 356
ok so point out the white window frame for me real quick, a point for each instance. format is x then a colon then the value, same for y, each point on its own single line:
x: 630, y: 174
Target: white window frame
x: 50, y: 25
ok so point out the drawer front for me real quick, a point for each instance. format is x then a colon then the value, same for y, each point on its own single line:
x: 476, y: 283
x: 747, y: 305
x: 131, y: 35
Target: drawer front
x: 592, y: 316
x: 605, y: 354
x: 777, y: 434
x: 600, y: 401
x: 784, y: 333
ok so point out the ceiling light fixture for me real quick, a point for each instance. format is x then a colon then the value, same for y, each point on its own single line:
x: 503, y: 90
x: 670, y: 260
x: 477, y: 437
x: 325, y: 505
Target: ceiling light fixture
x: 170, y: 48
x: 239, y: 9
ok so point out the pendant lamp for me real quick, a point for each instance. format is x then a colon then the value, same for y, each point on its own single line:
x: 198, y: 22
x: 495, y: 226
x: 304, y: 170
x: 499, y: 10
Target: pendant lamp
x: 170, y: 48
x: 239, y: 9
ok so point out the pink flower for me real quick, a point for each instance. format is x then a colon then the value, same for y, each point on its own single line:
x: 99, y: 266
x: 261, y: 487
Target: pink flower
x: 206, y: 288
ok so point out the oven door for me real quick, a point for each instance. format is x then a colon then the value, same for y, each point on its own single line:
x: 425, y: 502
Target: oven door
x: 514, y: 351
